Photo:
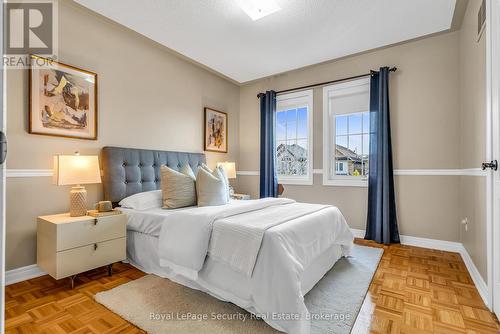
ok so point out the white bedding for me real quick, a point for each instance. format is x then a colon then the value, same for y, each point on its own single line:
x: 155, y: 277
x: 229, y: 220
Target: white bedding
x: 150, y: 221
x: 142, y: 252
x: 287, y: 236
x: 236, y: 240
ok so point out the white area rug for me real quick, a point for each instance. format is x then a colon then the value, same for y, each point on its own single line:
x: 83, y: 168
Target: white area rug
x: 158, y: 305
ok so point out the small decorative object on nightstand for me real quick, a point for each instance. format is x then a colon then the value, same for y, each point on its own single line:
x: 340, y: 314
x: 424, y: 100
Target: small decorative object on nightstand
x: 67, y: 246
x: 76, y: 170
x: 240, y: 196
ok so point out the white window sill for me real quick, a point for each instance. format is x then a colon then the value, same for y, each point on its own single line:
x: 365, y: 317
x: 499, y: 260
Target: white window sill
x: 297, y: 182
x: 346, y: 183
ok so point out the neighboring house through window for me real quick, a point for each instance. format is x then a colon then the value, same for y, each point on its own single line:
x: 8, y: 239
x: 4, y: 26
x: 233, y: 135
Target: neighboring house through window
x: 294, y: 137
x: 340, y: 168
x: 346, y: 133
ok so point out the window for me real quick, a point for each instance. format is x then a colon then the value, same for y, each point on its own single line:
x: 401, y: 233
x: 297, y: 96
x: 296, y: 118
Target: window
x: 346, y: 133
x: 340, y: 169
x: 294, y: 137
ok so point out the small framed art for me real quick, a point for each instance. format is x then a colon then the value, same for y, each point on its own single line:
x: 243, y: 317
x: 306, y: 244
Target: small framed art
x: 215, y: 130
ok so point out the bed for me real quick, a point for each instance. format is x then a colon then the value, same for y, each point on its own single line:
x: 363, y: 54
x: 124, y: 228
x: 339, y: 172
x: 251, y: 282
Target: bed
x: 262, y: 255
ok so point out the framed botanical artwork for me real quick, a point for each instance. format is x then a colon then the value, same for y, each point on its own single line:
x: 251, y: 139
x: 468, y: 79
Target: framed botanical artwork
x: 215, y: 130
x: 63, y: 100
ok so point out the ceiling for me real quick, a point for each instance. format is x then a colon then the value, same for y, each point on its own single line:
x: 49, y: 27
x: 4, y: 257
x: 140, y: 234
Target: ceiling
x: 219, y: 35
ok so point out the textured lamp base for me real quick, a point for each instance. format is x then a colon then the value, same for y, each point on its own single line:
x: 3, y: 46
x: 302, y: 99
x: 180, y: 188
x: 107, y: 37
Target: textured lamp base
x: 77, y: 201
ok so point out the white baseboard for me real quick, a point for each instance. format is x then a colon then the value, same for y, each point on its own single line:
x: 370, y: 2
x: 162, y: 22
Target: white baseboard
x: 358, y: 233
x: 481, y: 285
x: 449, y: 246
x: 22, y: 274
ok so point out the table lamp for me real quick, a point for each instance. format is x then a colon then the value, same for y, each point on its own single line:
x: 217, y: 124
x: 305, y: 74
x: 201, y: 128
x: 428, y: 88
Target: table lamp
x: 230, y: 169
x: 77, y: 170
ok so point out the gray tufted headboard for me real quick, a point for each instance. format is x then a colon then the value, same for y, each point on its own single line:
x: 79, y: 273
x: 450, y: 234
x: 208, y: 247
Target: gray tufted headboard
x: 128, y: 171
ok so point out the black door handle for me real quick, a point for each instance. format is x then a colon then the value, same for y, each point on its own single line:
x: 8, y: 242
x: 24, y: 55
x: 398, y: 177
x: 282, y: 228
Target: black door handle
x: 492, y: 165
x: 3, y: 147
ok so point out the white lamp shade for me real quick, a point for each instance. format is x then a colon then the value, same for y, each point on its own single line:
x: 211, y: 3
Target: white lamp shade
x: 229, y: 168
x: 76, y: 169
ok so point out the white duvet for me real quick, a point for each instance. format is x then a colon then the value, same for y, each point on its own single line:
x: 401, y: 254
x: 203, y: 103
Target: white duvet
x: 270, y: 240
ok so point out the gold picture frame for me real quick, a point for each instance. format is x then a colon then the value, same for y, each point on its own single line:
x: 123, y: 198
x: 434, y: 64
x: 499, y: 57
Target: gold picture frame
x: 62, y: 100
x: 215, y: 134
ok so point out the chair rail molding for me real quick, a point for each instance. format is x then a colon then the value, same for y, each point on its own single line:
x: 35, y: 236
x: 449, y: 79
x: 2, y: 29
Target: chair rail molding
x: 397, y: 172
x: 29, y: 172
x: 404, y: 172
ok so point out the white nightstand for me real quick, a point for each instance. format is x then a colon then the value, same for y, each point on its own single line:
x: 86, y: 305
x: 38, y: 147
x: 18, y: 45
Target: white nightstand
x: 67, y: 246
x: 240, y: 196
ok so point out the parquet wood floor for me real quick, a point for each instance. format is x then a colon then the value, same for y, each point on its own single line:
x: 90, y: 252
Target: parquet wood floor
x: 419, y: 290
x: 44, y: 305
x: 415, y: 290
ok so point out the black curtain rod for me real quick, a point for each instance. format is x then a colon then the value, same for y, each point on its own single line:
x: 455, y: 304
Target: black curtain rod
x: 392, y: 69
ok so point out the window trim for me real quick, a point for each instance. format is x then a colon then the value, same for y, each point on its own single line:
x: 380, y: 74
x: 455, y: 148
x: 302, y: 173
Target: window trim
x: 329, y: 133
x: 305, y: 98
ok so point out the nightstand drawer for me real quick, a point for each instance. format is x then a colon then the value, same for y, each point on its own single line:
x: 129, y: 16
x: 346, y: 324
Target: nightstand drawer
x: 77, y: 260
x: 90, y: 231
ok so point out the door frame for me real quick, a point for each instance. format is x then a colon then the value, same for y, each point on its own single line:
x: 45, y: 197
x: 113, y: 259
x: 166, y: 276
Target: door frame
x: 3, y: 96
x: 492, y: 149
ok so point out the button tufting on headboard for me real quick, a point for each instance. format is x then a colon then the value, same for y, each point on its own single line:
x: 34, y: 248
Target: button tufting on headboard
x: 127, y: 171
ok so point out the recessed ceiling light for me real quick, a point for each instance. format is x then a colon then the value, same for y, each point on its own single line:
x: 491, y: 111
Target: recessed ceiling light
x: 257, y: 9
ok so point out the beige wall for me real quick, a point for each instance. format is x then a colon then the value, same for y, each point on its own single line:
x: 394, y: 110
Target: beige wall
x: 425, y: 115
x: 473, y: 136
x: 437, y: 101
x: 151, y: 98
x: 148, y: 98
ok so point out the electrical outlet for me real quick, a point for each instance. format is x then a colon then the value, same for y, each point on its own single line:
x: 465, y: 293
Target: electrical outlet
x: 465, y: 223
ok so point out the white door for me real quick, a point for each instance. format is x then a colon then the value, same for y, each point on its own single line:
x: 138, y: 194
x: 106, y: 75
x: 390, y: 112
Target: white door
x: 493, y: 150
x: 2, y: 184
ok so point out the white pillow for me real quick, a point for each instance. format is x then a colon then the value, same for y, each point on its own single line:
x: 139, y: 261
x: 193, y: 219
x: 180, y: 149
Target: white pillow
x: 187, y: 170
x: 219, y: 172
x: 224, y: 177
x: 143, y: 201
x: 210, y: 189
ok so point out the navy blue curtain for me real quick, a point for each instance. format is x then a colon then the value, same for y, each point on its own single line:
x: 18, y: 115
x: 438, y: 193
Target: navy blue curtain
x: 268, y: 178
x: 382, y: 225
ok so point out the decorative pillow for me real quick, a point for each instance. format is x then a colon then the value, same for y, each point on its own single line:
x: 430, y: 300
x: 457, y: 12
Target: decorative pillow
x: 143, y: 201
x: 219, y: 172
x: 205, y: 167
x: 211, y: 190
x: 186, y: 170
x: 178, y: 188
x: 224, y: 177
